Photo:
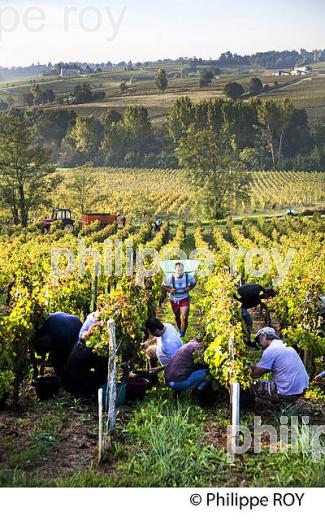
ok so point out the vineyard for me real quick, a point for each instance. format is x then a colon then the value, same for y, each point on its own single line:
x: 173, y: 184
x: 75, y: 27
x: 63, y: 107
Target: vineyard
x: 194, y: 438
x: 142, y: 193
x: 307, y: 94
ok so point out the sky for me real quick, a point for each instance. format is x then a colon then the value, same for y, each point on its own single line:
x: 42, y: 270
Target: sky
x: 119, y: 30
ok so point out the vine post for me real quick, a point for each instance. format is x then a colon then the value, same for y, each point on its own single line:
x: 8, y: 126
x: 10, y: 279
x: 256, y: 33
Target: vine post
x: 107, y: 430
x: 111, y: 380
x: 100, y: 424
x: 235, y: 402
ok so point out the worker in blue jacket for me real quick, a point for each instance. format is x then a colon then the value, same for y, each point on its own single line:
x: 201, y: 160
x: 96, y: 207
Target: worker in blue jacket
x: 57, y: 338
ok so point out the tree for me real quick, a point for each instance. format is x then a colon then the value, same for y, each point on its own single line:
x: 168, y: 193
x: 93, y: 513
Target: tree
x: 28, y: 99
x: 240, y: 122
x: 233, y: 90
x: 161, y: 80
x: 112, y: 116
x: 115, y: 143
x: 37, y: 93
x: 215, y: 169
x: 255, y: 85
x: 274, y: 122
x: 24, y: 167
x: 138, y: 126
x: 87, y: 134
x: 181, y: 116
x: 251, y: 159
x: 206, y: 77
x: 50, y: 96
x: 43, y: 99
x: 123, y: 87
x: 82, y: 94
x: 82, y: 188
x: 53, y: 125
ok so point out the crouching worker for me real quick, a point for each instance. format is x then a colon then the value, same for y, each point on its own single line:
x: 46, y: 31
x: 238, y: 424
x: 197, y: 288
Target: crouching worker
x: 57, y: 338
x: 164, y: 344
x: 85, y: 370
x: 289, y: 377
x: 187, y: 370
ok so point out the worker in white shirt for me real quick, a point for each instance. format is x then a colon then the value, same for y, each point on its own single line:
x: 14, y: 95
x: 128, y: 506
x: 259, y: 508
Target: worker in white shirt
x: 165, y: 342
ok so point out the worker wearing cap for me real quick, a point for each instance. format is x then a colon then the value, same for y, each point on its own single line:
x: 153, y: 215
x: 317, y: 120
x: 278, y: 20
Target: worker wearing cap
x: 289, y: 377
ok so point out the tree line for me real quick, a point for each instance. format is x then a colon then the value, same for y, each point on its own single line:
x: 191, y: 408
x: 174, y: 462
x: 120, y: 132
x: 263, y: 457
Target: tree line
x: 273, y: 59
x: 217, y: 141
x: 267, y: 135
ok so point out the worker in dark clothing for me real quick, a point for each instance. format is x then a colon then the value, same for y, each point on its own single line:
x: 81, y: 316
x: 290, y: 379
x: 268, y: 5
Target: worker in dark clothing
x: 57, y: 338
x: 85, y: 370
x: 250, y: 296
x: 157, y: 225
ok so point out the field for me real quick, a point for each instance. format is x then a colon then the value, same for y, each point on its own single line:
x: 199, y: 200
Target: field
x: 141, y: 193
x: 162, y: 442
x: 307, y: 93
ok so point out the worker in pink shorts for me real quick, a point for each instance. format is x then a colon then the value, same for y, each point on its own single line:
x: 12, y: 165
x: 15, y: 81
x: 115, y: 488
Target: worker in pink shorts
x: 179, y: 285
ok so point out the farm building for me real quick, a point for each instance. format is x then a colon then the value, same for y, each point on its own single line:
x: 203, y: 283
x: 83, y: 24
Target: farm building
x: 301, y: 71
x: 70, y: 72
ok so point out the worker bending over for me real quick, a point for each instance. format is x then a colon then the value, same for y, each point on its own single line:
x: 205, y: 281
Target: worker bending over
x: 164, y: 344
x: 57, y: 338
x: 85, y: 370
x: 250, y: 296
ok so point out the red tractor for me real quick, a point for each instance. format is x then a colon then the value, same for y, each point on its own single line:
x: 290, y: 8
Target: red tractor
x: 59, y: 214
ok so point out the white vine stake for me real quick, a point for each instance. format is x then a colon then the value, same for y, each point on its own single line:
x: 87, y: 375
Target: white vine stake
x: 100, y: 424
x: 111, y: 379
x: 235, y: 404
x: 107, y: 430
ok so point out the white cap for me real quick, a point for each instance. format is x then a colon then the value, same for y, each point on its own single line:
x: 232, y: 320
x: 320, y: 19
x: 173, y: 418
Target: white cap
x: 266, y: 330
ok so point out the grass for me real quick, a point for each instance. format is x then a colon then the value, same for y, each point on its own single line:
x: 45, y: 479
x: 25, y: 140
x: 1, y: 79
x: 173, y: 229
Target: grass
x: 171, y: 451
x: 291, y: 469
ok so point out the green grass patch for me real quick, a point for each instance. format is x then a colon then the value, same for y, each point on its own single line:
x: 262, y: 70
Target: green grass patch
x: 163, y: 446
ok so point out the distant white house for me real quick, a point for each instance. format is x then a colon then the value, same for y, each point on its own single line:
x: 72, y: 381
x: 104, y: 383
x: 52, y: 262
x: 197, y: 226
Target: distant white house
x: 301, y: 71
x: 70, y: 72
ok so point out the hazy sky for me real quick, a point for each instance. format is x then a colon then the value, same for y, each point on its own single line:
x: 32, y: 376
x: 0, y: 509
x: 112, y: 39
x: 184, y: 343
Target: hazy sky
x: 116, y: 30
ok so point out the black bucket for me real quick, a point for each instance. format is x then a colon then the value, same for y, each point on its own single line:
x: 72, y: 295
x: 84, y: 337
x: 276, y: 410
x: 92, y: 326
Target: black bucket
x: 136, y: 388
x: 152, y: 378
x: 47, y: 387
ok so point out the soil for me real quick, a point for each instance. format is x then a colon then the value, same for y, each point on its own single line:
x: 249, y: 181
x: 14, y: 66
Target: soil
x: 76, y: 440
